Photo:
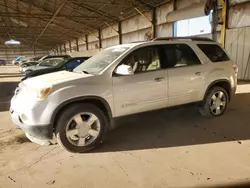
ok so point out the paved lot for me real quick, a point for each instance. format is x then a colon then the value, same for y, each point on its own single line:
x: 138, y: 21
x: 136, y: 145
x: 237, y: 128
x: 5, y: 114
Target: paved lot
x: 167, y: 148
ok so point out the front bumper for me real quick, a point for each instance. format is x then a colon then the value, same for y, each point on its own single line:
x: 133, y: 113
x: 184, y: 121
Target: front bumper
x: 43, y: 132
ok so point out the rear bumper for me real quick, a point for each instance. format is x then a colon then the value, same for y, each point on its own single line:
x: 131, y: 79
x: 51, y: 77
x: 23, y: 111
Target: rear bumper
x: 232, y: 94
x: 234, y: 90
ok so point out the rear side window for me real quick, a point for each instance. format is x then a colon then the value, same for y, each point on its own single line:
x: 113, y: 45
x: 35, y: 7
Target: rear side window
x: 180, y: 55
x: 214, y: 52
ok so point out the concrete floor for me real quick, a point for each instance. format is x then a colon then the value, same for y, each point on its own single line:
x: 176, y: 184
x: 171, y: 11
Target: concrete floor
x: 166, y: 148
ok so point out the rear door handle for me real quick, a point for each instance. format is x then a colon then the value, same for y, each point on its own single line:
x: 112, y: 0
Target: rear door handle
x: 198, y: 73
x: 159, y: 79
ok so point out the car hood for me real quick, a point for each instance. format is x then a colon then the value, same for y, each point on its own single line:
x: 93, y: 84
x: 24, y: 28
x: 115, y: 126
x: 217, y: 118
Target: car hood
x: 43, y: 71
x: 29, y: 67
x: 39, y: 67
x: 52, y: 79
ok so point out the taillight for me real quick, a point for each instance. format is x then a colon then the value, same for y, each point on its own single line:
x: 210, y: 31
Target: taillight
x: 235, y: 68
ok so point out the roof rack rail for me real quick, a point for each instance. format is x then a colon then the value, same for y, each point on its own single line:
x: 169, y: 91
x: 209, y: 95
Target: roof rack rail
x: 187, y: 38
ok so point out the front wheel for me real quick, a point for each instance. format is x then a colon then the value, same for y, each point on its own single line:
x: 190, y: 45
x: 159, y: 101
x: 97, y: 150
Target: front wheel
x: 81, y: 128
x: 215, y: 102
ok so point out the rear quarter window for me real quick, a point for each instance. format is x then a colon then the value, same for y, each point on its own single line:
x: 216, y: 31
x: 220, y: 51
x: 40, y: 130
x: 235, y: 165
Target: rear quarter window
x: 214, y: 52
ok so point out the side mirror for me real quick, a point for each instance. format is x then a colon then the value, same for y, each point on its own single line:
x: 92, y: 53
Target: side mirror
x: 124, y: 70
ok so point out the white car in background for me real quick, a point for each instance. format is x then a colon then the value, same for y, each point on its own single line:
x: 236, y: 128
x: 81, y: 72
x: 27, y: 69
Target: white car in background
x: 42, y: 65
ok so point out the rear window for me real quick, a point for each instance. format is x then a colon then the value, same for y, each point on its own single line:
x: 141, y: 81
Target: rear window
x: 214, y: 52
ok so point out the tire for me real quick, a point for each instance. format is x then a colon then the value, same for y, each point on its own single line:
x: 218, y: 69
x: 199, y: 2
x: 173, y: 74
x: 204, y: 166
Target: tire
x: 63, y: 124
x: 206, y: 108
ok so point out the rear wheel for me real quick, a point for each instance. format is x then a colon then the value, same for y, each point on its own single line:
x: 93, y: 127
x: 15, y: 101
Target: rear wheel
x: 215, y: 102
x: 81, y: 128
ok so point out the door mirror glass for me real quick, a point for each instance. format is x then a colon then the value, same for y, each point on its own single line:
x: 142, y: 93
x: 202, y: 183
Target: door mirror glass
x: 124, y: 70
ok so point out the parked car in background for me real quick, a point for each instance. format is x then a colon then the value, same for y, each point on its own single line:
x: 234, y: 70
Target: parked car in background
x: 3, y: 62
x: 17, y: 60
x: 37, y: 58
x: 54, y: 56
x: 20, y: 60
x: 47, y: 63
x: 69, y: 65
x: 27, y: 64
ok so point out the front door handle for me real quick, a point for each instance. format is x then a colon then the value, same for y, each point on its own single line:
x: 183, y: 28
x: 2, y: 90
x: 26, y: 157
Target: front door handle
x: 198, y: 73
x: 159, y: 79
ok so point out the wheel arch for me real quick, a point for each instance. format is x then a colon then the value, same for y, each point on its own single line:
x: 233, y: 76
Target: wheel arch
x: 98, y: 101
x: 225, y: 84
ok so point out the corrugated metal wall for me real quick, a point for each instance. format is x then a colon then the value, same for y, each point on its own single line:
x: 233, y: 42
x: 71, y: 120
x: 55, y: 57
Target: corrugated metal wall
x: 238, y: 48
x: 110, y: 36
x: 137, y: 28
x: 10, y: 53
x: 238, y: 37
x: 163, y: 28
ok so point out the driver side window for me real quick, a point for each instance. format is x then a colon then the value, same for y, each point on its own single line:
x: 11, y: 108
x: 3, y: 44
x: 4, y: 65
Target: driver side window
x: 143, y: 60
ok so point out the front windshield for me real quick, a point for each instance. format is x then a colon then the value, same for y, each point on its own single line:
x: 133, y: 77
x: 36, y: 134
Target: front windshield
x: 36, y: 58
x: 62, y: 63
x: 100, y: 61
x: 50, y: 62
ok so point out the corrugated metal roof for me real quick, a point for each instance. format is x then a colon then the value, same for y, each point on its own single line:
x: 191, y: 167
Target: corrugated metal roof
x: 26, y: 20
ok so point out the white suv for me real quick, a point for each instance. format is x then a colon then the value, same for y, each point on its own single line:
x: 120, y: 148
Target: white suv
x: 80, y: 106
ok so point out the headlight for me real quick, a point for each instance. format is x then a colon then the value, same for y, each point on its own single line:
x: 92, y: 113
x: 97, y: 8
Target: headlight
x: 40, y: 93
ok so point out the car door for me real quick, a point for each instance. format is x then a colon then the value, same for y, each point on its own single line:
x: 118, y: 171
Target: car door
x: 145, y: 89
x: 185, y: 74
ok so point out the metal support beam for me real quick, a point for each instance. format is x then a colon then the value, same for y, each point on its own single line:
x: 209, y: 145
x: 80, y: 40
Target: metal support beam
x: 154, y: 21
x: 33, y: 34
x: 111, y: 27
x: 51, y: 20
x: 224, y: 20
x: 6, y: 25
x: 90, y: 32
x: 152, y: 25
x: 64, y: 46
x: 148, y: 5
x: 100, y: 38
x: 92, y: 9
x: 86, y: 41
x: 100, y: 3
x: 120, y: 32
x: 70, y: 49
x: 60, y: 49
x: 174, y: 29
x: 43, y: 16
x: 77, y: 45
x: 34, y: 50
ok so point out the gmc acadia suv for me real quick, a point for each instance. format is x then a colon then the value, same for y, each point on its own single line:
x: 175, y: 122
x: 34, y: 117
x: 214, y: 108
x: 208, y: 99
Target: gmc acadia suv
x: 79, y: 106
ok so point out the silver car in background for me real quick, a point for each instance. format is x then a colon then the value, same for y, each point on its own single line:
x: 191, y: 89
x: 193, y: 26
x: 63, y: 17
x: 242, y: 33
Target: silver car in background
x: 47, y: 63
x: 27, y: 64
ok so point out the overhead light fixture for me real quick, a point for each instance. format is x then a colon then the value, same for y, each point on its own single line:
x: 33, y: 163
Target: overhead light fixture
x: 12, y: 42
